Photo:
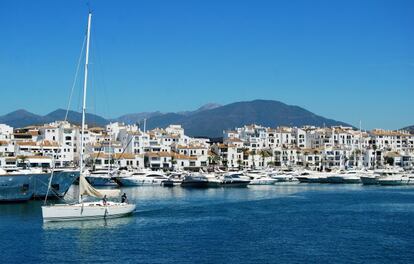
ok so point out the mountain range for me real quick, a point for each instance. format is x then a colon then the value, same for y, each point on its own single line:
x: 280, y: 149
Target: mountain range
x: 409, y: 129
x: 209, y: 120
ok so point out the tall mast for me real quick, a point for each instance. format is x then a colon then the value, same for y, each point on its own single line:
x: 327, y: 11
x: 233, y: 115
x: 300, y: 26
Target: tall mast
x: 85, y: 84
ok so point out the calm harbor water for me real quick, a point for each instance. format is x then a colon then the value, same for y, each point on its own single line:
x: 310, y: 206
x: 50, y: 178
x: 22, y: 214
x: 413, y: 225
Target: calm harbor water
x: 260, y: 224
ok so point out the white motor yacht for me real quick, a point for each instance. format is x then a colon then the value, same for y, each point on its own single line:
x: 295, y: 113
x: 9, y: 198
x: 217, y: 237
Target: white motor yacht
x: 100, y: 177
x: 259, y: 178
x: 374, y: 177
x: 395, y: 179
x: 345, y: 176
x: 141, y: 178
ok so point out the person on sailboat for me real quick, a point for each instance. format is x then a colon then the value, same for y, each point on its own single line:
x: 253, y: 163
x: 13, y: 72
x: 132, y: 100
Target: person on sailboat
x: 104, y: 200
x: 124, y: 198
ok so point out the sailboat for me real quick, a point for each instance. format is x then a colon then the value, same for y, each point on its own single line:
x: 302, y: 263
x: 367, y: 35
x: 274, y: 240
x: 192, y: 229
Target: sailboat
x: 87, y: 210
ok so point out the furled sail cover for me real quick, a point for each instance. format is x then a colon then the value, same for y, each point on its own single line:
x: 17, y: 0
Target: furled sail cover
x: 86, y: 189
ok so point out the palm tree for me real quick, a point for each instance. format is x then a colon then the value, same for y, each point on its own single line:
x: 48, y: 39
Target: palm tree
x: 214, y: 159
x: 305, y: 157
x: 265, y: 154
x: 240, y: 163
x: 253, y: 153
x: 374, y: 147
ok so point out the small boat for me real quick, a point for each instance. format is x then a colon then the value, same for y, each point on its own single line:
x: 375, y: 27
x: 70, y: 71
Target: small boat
x: 86, y: 210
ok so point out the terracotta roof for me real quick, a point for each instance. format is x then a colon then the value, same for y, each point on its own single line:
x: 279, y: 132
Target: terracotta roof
x: 173, y: 136
x: 4, y: 143
x: 26, y: 143
x: 233, y: 140
x: 184, y: 157
x: 380, y: 132
x: 48, y: 143
x: 33, y: 132
x: 38, y: 157
x: 159, y: 154
x: 124, y: 156
x: 191, y: 146
x: 113, y: 156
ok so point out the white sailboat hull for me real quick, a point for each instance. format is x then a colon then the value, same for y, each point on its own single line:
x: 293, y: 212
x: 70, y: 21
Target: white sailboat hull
x: 85, y: 211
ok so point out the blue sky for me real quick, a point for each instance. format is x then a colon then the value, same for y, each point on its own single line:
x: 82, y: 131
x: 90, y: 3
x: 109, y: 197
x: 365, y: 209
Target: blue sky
x: 346, y: 60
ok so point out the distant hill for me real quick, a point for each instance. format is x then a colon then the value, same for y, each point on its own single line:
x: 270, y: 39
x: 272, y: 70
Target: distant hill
x: 409, y: 129
x: 76, y: 117
x: 205, y: 107
x: 22, y: 118
x: 209, y: 120
x: 211, y: 123
x: 136, y: 117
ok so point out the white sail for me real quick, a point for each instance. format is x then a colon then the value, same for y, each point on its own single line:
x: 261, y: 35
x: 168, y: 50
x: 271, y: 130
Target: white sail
x: 86, y: 189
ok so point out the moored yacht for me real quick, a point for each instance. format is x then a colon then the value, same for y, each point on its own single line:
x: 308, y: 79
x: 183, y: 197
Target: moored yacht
x: 258, y: 177
x: 234, y: 179
x: 283, y: 177
x: 373, y: 178
x: 61, y: 180
x: 262, y: 180
x: 195, y: 181
x: 141, y: 178
x: 395, y: 179
x: 31, y: 180
x: 15, y: 187
x: 213, y: 180
x: 313, y: 177
x: 344, y: 176
x: 174, y: 179
x: 100, y: 177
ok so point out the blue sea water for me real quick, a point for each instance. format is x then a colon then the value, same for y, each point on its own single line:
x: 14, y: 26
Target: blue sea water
x: 303, y: 223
